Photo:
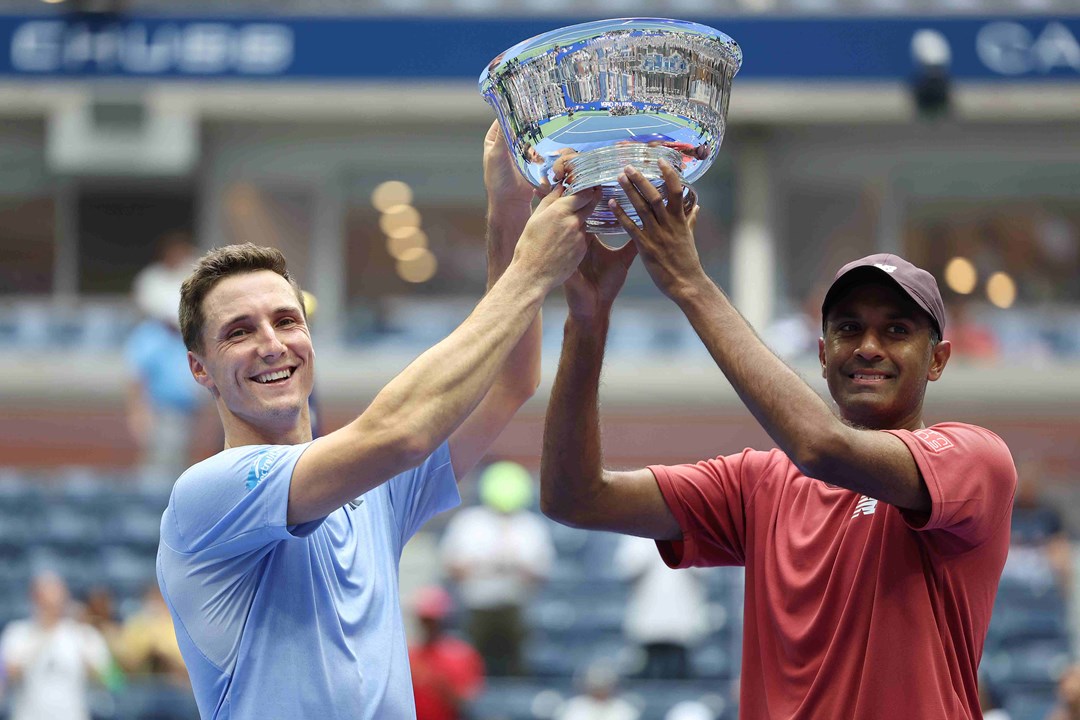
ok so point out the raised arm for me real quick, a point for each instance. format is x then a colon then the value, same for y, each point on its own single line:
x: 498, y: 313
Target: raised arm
x: 574, y: 487
x: 422, y: 406
x: 873, y: 463
x: 509, y: 208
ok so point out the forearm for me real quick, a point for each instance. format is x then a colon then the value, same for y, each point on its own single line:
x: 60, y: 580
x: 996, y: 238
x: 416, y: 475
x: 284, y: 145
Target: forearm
x: 788, y: 409
x: 571, y: 470
x: 436, y: 392
x: 519, y: 375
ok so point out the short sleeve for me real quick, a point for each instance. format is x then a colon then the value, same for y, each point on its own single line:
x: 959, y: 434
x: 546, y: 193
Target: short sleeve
x: 419, y: 494
x: 971, y: 478
x: 234, y: 502
x: 709, y: 501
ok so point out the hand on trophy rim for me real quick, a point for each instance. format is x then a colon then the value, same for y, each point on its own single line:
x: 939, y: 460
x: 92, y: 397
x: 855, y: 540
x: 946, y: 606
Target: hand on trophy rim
x: 504, y: 182
x: 665, y: 239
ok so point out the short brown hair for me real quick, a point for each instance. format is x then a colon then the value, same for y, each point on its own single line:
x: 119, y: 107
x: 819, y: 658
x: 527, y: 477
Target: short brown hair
x: 216, y: 265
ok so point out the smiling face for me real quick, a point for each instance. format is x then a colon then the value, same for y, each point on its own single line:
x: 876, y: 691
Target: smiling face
x: 877, y: 356
x: 256, y: 358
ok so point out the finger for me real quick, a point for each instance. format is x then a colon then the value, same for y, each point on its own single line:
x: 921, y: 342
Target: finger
x: 641, y: 206
x: 541, y: 191
x: 693, y: 217
x: 493, y: 132
x: 583, y: 201
x: 628, y: 225
x: 555, y: 193
x: 648, y: 191
x: 674, y: 188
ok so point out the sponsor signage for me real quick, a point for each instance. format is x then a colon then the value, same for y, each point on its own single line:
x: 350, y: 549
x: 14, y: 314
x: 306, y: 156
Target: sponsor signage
x: 357, y: 48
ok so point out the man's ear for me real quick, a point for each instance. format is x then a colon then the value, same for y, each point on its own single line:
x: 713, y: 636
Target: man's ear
x: 200, y: 373
x: 821, y: 354
x: 939, y: 356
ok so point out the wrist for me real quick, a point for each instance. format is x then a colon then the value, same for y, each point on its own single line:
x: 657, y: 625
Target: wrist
x: 590, y: 323
x: 503, y: 210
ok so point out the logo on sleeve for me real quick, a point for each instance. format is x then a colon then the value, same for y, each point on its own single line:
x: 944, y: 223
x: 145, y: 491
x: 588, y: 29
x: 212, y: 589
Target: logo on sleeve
x: 261, y: 465
x: 935, y: 441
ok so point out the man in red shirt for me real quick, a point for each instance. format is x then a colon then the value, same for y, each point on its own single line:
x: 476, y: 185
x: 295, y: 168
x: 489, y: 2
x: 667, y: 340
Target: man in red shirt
x: 872, y: 544
x: 446, y: 672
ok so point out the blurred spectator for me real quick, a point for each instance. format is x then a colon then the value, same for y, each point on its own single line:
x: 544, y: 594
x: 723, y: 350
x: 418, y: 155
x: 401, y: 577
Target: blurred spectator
x: 600, y: 700
x: 447, y: 672
x: 1039, y: 550
x: 667, y: 612
x: 795, y: 335
x: 147, y: 646
x: 692, y: 710
x: 50, y: 657
x: 498, y: 553
x: 158, y: 687
x: 1068, y: 707
x: 990, y: 703
x: 98, y: 612
x: 970, y: 338
x: 162, y: 397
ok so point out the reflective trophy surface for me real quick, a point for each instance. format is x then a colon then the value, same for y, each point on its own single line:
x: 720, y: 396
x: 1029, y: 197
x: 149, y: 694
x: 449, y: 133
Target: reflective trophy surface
x: 610, y: 93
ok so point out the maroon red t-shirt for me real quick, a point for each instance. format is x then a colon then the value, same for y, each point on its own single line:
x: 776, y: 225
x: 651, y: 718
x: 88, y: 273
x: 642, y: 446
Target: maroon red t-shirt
x: 854, y: 609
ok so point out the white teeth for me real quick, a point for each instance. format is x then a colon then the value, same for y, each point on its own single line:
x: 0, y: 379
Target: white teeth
x: 271, y: 376
x: 859, y: 376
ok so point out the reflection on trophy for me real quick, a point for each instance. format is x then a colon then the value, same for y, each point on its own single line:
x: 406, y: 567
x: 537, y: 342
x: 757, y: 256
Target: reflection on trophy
x: 598, y: 96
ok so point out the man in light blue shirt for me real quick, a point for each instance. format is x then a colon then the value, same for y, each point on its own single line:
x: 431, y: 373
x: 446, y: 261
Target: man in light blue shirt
x: 279, y: 556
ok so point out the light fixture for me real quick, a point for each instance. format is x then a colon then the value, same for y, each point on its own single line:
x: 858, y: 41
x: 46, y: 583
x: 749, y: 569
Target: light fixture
x: 390, y: 193
x: 1001, y: 290
x: 960, y: 275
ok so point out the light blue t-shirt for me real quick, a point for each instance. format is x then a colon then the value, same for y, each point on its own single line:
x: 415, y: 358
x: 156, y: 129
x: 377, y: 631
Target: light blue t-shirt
x: 303, y: 621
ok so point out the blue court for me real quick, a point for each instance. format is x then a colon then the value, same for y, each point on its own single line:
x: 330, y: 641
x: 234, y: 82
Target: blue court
x: 590, y: 130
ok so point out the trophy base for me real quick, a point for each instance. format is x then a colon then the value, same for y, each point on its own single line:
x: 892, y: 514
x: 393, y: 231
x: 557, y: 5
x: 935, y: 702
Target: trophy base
x: 602, y: 166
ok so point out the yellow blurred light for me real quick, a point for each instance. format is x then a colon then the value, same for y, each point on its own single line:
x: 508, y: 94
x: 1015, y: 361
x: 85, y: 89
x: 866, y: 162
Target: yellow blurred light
x: 390, y: 193
x: 400, y: 220
x: 960, y: 275
x: 52, y: 2
x: 417, y: 266
x: 1001, y: 290
x: 399, y: 246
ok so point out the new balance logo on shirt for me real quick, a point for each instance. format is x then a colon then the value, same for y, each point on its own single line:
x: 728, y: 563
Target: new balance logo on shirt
x: 866, y: 506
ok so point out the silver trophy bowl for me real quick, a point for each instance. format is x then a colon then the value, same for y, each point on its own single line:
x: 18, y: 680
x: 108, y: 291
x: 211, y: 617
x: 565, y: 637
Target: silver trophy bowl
x: 611, y: 93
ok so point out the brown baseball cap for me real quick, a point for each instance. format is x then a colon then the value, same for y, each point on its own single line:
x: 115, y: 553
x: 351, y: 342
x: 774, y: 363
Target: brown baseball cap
x: 916, y: 283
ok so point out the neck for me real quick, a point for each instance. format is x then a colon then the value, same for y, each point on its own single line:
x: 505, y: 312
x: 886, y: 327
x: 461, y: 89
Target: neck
x: 289, y: 431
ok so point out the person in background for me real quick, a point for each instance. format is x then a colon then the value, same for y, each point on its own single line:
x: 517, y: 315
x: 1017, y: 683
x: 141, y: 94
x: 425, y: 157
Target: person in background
x: 99, y: 612
x: 498, y: 553
x: 600, y: 699
x: 447, y: 672
x: 990, y: 703
x: 147, y: 646
x: 1039, y: 548
x: 50, y: 659
x: 162, y: 399
x: 667, y: 612
x: 1068, y: 707
x: 158, y: 684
